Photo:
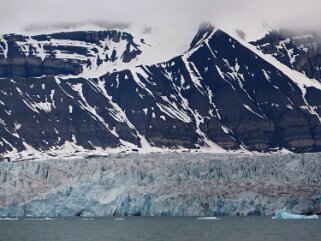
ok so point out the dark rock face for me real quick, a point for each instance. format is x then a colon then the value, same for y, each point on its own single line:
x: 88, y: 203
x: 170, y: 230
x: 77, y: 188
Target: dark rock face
x: 301, y: 52
x: 62, y: 53
x: 219, y: 92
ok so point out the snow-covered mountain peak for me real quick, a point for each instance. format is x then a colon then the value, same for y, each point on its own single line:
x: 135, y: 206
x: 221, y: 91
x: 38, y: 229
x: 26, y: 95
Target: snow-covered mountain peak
x: 67, y: 53
x: 90, y: 53
x: 300, y: 51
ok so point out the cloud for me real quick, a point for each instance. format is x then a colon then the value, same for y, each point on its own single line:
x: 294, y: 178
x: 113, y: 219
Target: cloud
x: 247, y: 15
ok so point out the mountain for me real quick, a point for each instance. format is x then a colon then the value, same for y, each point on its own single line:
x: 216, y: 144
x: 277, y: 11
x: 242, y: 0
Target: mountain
x: 299, y: 51
x: 65, y: 53
x: 88, y: 92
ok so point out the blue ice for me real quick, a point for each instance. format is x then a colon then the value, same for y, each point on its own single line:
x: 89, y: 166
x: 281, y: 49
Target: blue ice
x: 282, y: 214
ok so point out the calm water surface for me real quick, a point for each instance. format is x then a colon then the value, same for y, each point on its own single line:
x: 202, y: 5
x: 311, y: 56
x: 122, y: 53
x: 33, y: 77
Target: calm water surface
x: 160, y: 228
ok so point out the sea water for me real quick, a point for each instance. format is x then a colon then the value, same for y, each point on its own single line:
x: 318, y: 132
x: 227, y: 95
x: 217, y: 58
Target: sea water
x: 158, y: 229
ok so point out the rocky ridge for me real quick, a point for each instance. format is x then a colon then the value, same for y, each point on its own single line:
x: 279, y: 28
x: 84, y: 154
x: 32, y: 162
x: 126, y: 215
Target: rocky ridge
x: 299, y: 51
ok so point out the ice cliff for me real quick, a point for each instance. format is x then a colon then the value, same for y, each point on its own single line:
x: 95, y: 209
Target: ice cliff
x: 162, y: 184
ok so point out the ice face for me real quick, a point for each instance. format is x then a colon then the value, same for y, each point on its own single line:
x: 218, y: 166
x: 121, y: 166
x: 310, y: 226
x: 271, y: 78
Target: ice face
x: 162, y: 184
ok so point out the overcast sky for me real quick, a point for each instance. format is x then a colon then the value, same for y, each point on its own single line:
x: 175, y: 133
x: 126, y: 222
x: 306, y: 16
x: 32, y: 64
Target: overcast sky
x: 22, y: 15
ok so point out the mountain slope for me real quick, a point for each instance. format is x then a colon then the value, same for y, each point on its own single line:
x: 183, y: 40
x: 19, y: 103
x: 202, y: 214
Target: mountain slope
x: 65, y: 53
x: 220, y: 94
x: 301, y: 52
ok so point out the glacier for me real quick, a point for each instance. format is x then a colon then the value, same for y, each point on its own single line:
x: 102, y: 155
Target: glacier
x: 154, y: 184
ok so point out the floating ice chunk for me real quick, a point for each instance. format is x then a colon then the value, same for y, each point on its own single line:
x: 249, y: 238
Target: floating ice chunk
x: 208, y: 218
x: 40, y: 219
x: 8, y: 219
x: 119, y: 219
x: 281, y: 214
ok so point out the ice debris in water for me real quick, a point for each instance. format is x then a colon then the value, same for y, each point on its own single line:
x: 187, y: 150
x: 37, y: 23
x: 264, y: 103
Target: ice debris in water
x: 8, y: 219
x: 119, y: 219
x: 208, y: 218
x: 282, y: 214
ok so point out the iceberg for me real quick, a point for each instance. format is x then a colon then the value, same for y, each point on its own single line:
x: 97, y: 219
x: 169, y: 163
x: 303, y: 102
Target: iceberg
x: 40, y: 219
x: 208, y: 218
x: 282, y: 214
x: 8, y: 219
x: 119, y: 219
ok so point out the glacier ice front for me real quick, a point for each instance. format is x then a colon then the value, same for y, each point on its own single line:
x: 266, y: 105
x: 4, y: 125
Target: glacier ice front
x: 159, y: 184
x: 282, y: 214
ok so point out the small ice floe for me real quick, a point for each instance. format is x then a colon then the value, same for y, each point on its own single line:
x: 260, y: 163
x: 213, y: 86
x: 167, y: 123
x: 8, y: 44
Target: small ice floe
x: 40, y: 219
x: 208, y: 218
x: 282, y: 214
x: 8, y: 219
x: 119, y: 219
x: 87, y: 219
